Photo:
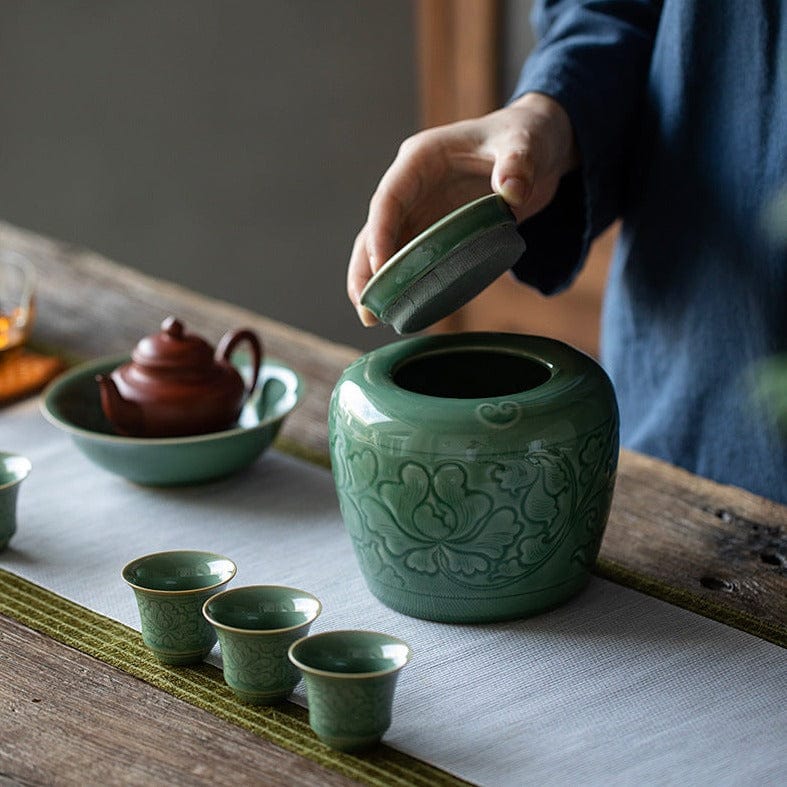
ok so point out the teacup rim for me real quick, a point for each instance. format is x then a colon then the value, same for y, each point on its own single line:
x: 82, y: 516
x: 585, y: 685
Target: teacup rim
x: 257, y: 632
x: 349, y: 675
x: 189, y: 591
x: 18, y: 480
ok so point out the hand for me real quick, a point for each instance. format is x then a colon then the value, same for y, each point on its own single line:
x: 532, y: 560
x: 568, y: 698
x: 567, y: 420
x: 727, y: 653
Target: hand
x: 521, y: 151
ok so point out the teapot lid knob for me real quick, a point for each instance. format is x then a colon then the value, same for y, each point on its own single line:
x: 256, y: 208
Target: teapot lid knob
x: 173, y: 348
x: 173, y: 327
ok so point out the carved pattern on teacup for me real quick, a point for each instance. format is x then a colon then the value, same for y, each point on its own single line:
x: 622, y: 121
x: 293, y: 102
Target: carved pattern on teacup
x: 174, y: 625
x: 251, y: 669
x: 352, y: 708
x: 501, y: 415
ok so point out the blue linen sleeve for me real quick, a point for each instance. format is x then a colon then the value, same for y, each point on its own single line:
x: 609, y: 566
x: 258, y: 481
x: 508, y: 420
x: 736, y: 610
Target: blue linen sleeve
x: 592, y: 57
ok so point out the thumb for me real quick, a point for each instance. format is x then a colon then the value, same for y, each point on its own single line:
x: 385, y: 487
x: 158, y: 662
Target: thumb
x: 512, y: 174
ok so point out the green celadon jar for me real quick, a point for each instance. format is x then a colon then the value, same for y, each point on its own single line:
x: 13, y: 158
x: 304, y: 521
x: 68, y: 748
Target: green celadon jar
x: 475, y: 472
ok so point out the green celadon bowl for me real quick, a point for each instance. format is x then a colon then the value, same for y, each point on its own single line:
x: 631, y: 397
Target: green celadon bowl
x: 72, y: 403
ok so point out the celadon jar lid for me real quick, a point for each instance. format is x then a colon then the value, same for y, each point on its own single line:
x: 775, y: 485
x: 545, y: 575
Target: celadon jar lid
x: 445, y: 266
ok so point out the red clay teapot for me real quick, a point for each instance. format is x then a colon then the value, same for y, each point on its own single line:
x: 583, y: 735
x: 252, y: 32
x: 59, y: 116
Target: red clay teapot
x: 176, y: 385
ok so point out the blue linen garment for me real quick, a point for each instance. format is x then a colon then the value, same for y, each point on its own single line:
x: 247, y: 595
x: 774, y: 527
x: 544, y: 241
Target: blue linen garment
x: 680, y: 113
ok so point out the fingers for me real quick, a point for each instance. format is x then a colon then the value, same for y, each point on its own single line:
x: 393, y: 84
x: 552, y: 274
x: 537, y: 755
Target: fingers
x: 383, y: 227
x: 514, y: 171
x: 533, y: 146
x: 418, y: 162
x: 522, y: 151
x: 359, y: 272
x: 418, y: 167
x: 513, y: 177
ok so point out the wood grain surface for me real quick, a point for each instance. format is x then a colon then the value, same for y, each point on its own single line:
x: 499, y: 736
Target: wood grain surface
x: 718, y: 550
x: 111, y: 728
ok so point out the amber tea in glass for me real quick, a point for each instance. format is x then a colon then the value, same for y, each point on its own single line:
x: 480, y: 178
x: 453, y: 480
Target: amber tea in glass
x: 17, y: 300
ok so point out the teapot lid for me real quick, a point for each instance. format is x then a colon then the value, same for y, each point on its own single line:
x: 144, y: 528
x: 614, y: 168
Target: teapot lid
x: 173, y: 348
x: 445, y: 266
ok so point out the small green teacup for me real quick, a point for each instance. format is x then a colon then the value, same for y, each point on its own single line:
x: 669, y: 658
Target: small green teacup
x: 350, y: 680
x: 256, y: 625
x: 13, y: 470
x: 171, y: 588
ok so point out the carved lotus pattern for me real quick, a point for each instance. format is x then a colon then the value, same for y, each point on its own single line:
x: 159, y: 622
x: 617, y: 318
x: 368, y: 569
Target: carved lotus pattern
x: 259, y: 667
x: 351, y: 709
x: 450, y: 528
x: 175, y: 624
x: 475, y: 523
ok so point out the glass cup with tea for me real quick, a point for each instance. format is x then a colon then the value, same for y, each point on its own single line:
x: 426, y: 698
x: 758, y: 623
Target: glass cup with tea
x: 17, y: 301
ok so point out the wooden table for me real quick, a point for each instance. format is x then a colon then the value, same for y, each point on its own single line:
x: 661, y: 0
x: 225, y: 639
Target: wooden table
x: 717, y: 550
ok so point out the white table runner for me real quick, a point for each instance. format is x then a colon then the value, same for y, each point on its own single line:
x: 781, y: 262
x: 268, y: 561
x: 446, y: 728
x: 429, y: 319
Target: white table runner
x: 613, y: 688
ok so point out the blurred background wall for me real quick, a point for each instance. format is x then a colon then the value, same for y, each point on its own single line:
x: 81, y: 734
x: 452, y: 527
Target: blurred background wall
x: 228, y: 145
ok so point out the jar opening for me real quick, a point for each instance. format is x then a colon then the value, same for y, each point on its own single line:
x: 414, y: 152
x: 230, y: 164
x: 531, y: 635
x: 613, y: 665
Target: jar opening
x: 470, y: 374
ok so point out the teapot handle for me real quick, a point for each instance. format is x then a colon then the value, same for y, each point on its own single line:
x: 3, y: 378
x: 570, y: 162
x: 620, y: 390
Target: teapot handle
x: 228, y: 344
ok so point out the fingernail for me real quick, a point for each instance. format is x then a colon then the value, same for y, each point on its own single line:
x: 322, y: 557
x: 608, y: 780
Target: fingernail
x: 365, y: 316
x: 513, y: 191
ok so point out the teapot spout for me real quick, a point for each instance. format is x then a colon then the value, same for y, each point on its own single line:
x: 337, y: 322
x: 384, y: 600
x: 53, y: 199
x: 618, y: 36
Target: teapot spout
x: 123, y: 414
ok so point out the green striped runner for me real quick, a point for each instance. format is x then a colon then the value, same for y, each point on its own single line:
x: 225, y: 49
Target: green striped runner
x: 286, y: 725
